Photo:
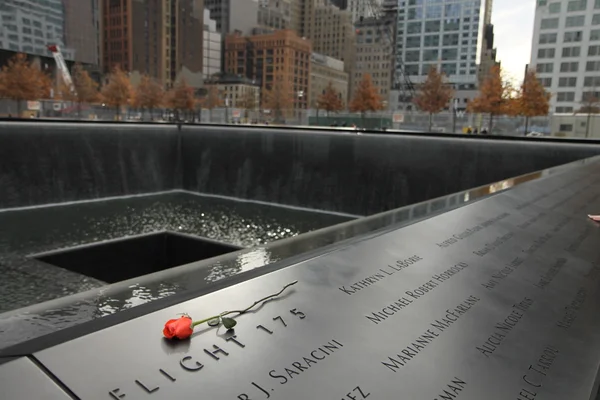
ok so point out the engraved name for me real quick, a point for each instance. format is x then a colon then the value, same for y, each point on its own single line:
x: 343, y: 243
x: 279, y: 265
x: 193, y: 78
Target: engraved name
x: 502, y: 273
x: 452, y: 389
x: 383, y: 273
x: 578, y: 240
x: 470, y: 231
x: 503, y: 328
x: 570, y: 311
x: 293, y: 370
x: 494, y: 245
x: 414, y: 294
x: 549, y: 276
x: 403, y: 357
x: 537, y: 372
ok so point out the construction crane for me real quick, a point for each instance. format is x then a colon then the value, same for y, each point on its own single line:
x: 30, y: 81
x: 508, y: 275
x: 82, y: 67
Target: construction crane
x: 387, y: 13
x: 62, y: 67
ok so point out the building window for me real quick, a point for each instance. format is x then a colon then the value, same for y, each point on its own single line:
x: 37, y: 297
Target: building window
x: 545, y: 82
x: 595, y: 34
x: 596, y: 19
x: 544, y: 68
x: 547, y: 38
x: 450, y: 54
x: 597, y: 4
x: 566, y: 127
x: 571, y: 51
x: 591, y: 81
x: 413, y: 41
x: 413, y: 56
x: 564, y: 109
x: 577, y: 5
x: 431, y: 41
x: 414, y: 27
x: 450, y: 40
x: 567, y: 82
x: 554, y: 8
x: 565, y: 96
x: 594, y: 50
x: 569, y: 66
x: 546, y: 53
x: 573, y: 36
x: 592, y: 66
x: 549, y: 23
x: 590, y: 94
x: 577, y: 21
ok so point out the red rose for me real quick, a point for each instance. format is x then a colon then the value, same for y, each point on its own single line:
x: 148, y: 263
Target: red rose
x: 178, y: 328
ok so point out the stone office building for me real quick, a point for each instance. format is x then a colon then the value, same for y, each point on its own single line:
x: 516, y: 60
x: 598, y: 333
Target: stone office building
x: 373, y: 56
x: 325, y: 70
x: 266, y: 57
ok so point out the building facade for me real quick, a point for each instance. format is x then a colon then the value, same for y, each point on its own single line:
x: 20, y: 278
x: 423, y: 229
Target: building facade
x: 234, y: 90
x: 264, y: 58
x: 155, y: 37
x: 29, y: 26
x: 566, y: 51
x: 276, y: 14
x: 332, y: 32
x: 233, y: 15
x: 211, y: 47
x: 325, y: 70
x: 359, y: 8
x: 373, y: 56
x: 444, y: 35
x: 82, y: 30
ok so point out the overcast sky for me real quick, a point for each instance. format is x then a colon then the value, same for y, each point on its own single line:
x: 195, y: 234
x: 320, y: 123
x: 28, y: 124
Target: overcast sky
x: 513, y: 28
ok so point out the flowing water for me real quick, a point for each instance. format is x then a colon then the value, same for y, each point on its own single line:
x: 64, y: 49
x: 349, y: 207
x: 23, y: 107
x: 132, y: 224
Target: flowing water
x: 24, y: 232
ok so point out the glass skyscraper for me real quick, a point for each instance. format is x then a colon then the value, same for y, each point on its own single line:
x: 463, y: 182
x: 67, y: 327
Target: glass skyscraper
x: 446, y: 34
x: 28, y: 26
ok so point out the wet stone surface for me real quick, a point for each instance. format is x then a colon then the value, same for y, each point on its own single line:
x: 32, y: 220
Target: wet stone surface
x: 26, y: 281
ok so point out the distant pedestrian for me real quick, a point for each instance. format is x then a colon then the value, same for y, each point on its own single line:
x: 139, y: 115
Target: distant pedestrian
x: 469, y: 131
x: 475, y: 131
x: 484, y: 131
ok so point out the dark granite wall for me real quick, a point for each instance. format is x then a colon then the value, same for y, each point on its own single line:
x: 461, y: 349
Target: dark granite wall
x: 356, y: 174
x: 43, y: 163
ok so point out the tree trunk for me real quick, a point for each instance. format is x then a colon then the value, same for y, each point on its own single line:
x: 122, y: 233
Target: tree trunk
x: 491, y: 124
x: 18, y: 108
x: 430, y: 121
x: 79, y: 110
x: 587, y: 124
x: 526, y: 125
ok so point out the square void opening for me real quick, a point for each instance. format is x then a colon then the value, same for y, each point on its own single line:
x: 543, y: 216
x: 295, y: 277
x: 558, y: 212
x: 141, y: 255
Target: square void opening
x: 122, y: 259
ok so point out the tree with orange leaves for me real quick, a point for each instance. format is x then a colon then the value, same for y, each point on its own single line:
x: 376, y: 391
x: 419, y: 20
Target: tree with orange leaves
x: 532, y: 99
x: 181, y: 97
x: 330, y: 100
x: 434, y: 94
x: 366, y: 97
x: 278, y: 97
x: 149, y: 95
x: 118, y: 91
x: 213, y: 98
x: 19, y: 81
x: 494, y: 96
